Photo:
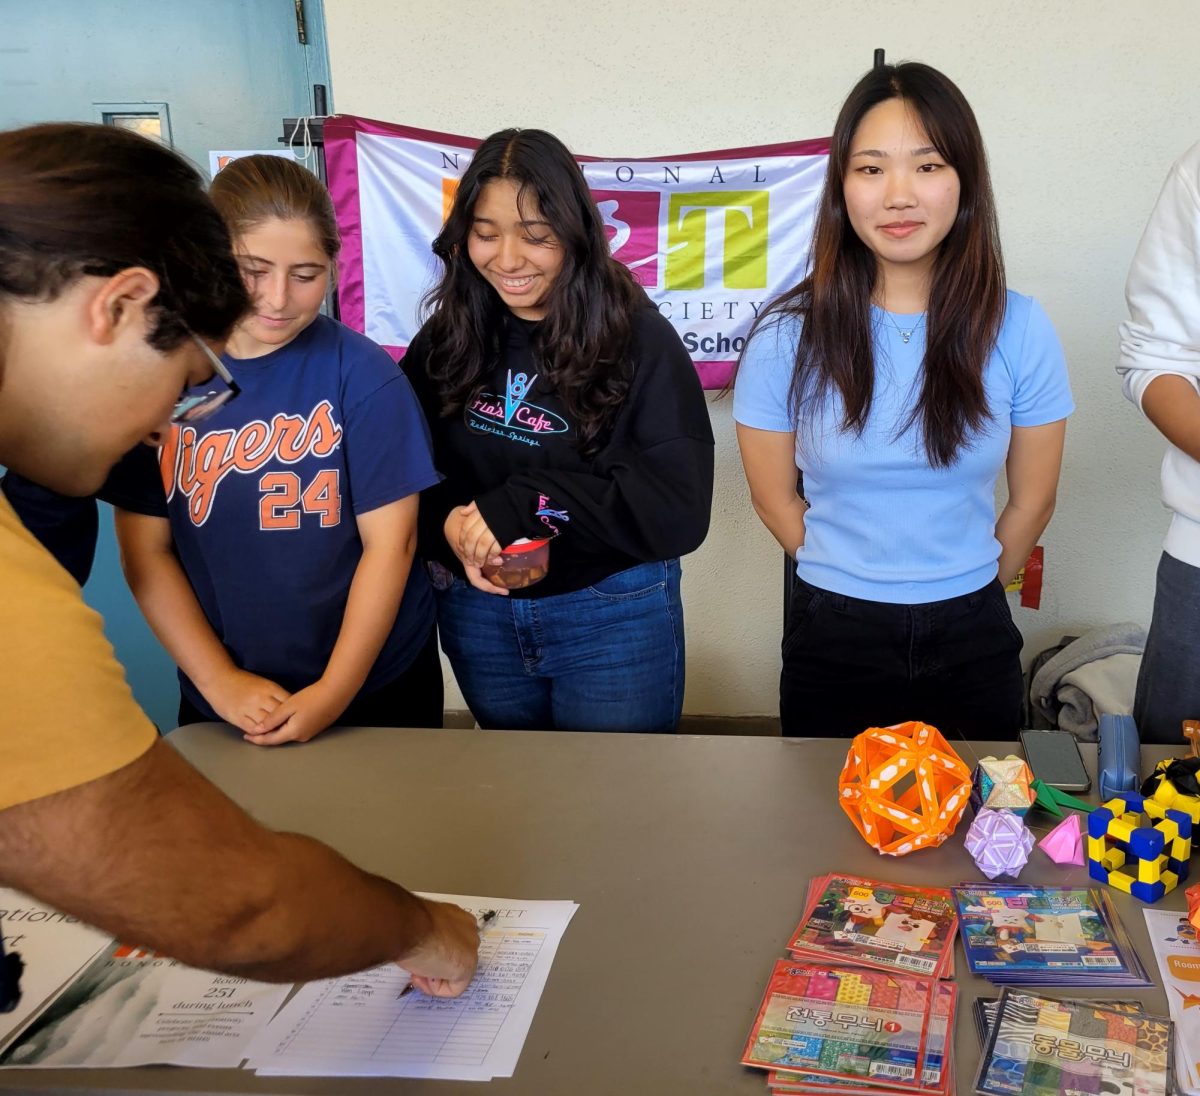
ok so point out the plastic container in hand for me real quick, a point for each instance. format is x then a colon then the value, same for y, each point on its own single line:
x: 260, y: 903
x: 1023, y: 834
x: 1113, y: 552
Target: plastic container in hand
x: 523, y: 563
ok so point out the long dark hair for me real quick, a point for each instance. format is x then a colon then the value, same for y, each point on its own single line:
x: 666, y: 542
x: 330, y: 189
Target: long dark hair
x: 967, y: 290
x: 79, y: 200
x: 582, y: 345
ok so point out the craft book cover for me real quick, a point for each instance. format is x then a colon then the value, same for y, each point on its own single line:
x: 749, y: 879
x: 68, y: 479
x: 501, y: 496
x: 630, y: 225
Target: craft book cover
x: 937, y: 1068
x: 1057, y: 931
x: 888, y: 926
x: 852, y: 1024
x: 1040, y: 1046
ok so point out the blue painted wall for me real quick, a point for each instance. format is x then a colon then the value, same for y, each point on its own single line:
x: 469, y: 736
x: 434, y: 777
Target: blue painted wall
x: 230, y: 71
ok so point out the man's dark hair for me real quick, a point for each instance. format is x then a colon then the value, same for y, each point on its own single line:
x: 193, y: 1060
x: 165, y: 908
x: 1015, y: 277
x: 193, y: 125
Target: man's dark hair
x: 78, y: 200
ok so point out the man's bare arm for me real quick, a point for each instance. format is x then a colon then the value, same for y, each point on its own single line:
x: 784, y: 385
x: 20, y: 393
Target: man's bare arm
x: 158, y: 856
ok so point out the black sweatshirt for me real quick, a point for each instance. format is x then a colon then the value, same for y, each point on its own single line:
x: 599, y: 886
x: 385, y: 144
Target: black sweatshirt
x: 645, y: 496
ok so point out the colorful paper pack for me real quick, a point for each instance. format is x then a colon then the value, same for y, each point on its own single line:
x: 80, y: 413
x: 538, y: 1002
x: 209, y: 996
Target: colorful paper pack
x: 937, y: 1078
x: 986, y: 1008
x: 842, y: 1022
x: 1040, y: 1046
x: 1031, y: 935
x: 851, y: 920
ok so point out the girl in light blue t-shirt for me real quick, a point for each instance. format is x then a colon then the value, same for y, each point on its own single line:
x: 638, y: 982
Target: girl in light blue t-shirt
x: 899, y: 377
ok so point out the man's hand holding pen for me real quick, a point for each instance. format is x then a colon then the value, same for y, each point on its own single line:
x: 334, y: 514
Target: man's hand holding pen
x: 444, y: 964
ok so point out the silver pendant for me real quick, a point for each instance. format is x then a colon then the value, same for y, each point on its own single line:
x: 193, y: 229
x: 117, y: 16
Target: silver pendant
x: 906, y: 335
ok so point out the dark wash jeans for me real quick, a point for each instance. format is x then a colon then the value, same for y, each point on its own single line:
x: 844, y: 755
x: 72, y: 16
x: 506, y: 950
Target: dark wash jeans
x: 850, y: 664
x: 609, y: 657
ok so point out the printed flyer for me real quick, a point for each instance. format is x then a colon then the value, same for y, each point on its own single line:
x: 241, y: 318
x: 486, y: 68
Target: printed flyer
x: 131, y: 1007
x: 1178, y: 953
x: 53, y: 946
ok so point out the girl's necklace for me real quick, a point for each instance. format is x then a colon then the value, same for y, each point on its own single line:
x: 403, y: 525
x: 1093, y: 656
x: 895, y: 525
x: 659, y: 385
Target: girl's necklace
x: 905, y: 335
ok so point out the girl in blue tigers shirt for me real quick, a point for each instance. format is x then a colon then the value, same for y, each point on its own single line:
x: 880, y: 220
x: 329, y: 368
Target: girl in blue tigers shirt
x: 562, y: 405
x: 279, y: 573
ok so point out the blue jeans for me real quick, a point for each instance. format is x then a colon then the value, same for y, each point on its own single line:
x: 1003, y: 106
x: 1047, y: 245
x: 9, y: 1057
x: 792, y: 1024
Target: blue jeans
x: 1168, y: 686
x: 605, y: 658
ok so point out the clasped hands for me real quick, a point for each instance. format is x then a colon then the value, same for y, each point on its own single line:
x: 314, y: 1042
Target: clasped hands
x: 475, y: 545
x: 267, y: 714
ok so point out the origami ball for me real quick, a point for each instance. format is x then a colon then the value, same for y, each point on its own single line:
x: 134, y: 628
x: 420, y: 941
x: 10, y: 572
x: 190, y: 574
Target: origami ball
x: 903, y: 787
x: 999, y: 842
x: 1193, y: 901
x: 1002, y: 783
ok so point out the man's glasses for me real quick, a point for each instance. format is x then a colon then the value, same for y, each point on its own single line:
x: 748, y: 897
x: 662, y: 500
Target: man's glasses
x: 200, y: 402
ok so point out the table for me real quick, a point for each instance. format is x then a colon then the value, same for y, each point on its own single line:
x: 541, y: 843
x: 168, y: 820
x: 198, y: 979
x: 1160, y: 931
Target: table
x: 689, y: 856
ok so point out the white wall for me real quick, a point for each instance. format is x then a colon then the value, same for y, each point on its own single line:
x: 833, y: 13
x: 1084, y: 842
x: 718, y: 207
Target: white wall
x: 1083, y: 104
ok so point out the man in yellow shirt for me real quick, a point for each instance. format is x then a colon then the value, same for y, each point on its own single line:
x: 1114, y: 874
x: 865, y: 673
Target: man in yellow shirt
x: 116, y: 281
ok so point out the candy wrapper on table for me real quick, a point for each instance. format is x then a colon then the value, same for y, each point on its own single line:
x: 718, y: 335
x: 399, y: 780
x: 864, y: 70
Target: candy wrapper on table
x: 903, y: 787
x: 1002, y: 783
x: 999, y: 842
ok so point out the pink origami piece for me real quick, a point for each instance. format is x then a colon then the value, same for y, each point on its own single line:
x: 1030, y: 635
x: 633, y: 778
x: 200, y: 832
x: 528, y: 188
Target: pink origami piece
x: 999, y: 842
x: 1064, y: 843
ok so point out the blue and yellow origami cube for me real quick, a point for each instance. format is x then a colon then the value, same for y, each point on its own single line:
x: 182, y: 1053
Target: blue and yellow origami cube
x: 1138, y: 845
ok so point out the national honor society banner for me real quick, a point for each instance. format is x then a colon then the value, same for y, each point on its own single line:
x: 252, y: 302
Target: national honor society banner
x: 712, y: 236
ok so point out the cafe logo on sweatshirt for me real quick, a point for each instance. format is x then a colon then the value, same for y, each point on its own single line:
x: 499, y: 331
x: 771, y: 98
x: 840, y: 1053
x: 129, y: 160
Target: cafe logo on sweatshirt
x: 511, y: 415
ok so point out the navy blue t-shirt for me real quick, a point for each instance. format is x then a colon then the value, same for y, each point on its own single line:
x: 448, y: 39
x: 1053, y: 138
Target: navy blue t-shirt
x: 263, y: 495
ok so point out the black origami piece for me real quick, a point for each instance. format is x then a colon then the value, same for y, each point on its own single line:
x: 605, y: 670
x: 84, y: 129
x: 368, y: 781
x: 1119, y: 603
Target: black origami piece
x: 1181, y: 772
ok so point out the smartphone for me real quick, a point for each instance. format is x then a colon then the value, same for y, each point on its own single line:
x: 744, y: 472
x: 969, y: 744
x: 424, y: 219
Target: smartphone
x: 1055, y: 760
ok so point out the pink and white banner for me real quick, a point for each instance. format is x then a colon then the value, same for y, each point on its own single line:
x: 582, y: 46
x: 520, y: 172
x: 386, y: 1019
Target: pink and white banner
x: 713, y: 236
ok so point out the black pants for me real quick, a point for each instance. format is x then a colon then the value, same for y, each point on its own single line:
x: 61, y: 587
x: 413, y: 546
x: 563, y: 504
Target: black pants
x: 1168, y: 684
x: 850, y: 664
x: 414, y: 699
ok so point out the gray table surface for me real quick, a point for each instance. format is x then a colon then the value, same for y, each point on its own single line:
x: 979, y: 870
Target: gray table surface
x: 689, y: 856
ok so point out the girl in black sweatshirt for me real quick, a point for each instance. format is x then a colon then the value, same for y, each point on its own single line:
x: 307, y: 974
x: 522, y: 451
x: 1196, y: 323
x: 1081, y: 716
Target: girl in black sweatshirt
x: 563, y: 407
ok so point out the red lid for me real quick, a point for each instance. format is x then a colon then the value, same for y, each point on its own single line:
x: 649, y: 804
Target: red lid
x: 524, y: 545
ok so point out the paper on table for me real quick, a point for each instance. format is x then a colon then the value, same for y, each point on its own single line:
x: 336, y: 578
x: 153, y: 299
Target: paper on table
x: 360, y: 1025
x: 131, y: 1007
x: 52, y: 945
x: 1178, y: 953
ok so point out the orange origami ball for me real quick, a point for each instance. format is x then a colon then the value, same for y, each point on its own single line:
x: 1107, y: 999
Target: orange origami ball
x: 1193, y: 900
x: 903, y: 787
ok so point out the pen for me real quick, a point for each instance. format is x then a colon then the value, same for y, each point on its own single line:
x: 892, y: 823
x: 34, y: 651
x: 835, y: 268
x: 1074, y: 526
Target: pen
x: 481, y: 923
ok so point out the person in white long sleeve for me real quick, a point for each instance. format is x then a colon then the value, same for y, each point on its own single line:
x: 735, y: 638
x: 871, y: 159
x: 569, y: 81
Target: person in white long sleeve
x: 1160, y: 367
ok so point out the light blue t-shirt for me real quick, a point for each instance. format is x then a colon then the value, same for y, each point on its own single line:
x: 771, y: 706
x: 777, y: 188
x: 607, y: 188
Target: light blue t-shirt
x: 883, y: 525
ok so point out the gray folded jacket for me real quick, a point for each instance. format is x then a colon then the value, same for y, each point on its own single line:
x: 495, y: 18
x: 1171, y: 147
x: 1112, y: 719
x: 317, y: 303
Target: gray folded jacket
x: 1093, y: 676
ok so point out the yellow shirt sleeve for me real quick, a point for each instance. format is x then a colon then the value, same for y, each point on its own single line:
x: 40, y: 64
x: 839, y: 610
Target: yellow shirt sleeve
x: 67, y: 714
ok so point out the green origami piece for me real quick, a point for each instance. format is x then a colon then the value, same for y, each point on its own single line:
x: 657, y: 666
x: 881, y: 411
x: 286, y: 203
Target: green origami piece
x: 1052, y: 800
